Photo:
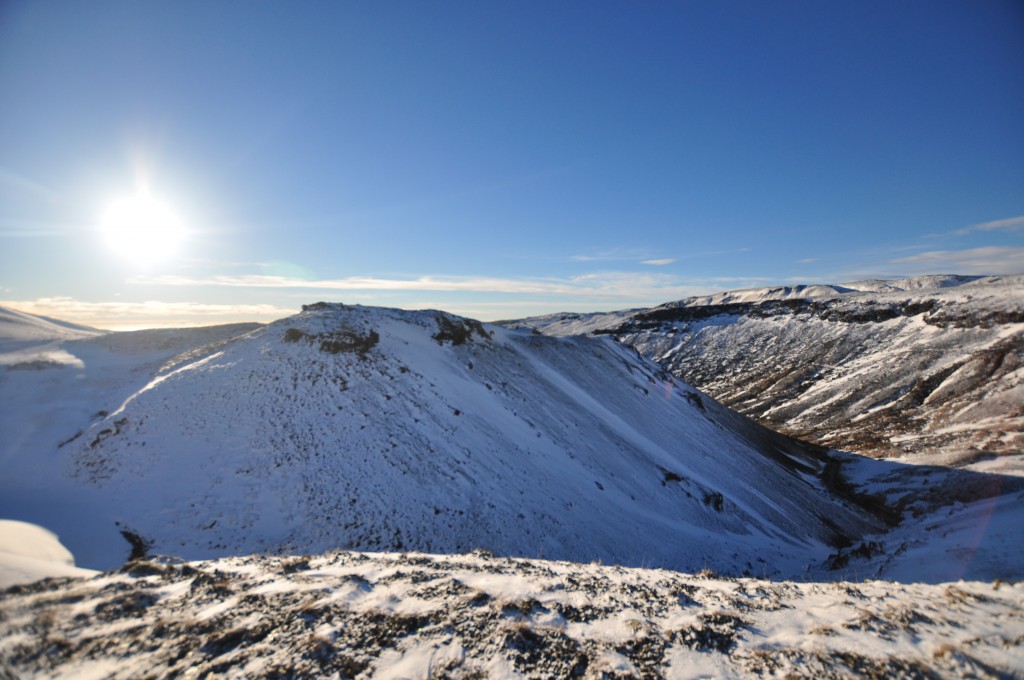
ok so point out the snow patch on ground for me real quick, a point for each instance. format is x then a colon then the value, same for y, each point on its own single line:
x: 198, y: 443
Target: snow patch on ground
x: 29, y: 553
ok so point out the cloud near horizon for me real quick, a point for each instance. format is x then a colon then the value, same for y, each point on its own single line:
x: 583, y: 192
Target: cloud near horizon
x: 985, y: 260
x: 604, y: 291
x: 1012, y: 224
x: 151, y: 313
x: 611, y: 285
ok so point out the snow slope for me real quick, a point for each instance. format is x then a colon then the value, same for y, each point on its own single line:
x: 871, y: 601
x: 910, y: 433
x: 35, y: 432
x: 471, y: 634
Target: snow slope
x: 29, y: 553
x: 419, y: 430
x: 29, y: 342
x: 928, y: 368
x: 383, y: 429
x: 357, y: 615
x: 953, y: 523
x: 20, y: 327
x: 52, y: 386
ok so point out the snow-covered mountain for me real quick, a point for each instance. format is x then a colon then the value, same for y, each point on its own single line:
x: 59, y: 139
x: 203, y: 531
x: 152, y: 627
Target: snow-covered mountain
x: 52, y: 385
x: 382, y: 429
x: 29, y: 342
x: 376, y: 429
x: 392, y: 616
x: 928, y: 367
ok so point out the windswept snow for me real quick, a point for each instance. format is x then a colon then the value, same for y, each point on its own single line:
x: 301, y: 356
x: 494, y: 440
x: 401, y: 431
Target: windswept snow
x: 354, y: 615
x: 53, y: 384
x: 29, y: 553
x: 33, y: 343
x: 20, y: 327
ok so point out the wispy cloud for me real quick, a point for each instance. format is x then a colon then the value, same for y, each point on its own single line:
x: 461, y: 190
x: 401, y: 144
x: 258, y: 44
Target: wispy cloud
x: 508, y: 297
x: 986, y: 260
x: 615, y: 255
x: 484, y: 298
x: 807, y: 260
x: 636, y: 255
x: 25, y: 184
x: 35, y: 229
x: 649, y: 257
x: 1012, y: 225
x: 423, y: 283
x: 620, y: 285
x: 119, y: 315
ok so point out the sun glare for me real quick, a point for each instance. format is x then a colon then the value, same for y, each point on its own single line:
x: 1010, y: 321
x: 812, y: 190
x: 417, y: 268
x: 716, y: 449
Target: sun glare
x: 141, y: 228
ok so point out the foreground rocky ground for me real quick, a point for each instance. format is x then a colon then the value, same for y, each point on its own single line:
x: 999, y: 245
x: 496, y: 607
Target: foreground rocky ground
x: 350, y: 615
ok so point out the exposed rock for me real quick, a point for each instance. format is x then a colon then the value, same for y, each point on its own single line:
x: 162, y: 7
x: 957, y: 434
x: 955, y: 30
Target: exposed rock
x: 352, y: 615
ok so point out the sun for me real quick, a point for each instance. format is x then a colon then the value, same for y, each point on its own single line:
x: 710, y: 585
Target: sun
x: 141, y: 228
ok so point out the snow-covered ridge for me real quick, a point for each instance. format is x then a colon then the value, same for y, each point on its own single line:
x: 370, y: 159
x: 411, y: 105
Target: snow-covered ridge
x: 929, y: 367
x: 53, y: 385
x: 18, y: 326
x: 898, y: 287
x: 976, y: 292
x: 387, y: 429
x: 414, y: 615
x: 29, y: 342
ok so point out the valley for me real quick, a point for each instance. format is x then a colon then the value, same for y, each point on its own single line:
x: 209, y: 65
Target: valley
x: 367, y: 492
x: 927, y: 369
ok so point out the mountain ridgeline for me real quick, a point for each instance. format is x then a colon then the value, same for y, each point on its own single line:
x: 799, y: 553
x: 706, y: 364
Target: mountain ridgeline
x: 381, y: 429
x: 929, y: 366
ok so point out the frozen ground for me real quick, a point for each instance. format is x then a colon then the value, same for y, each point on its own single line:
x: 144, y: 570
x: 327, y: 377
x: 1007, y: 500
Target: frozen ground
x: 354, y: 615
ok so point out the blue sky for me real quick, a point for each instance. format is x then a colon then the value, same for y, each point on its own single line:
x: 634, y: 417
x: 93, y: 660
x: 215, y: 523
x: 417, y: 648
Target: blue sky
x: 501, y: 159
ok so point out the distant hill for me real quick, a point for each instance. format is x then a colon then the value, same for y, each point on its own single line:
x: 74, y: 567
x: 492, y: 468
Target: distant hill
x: 17, y: 327
x: 927, y: 366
